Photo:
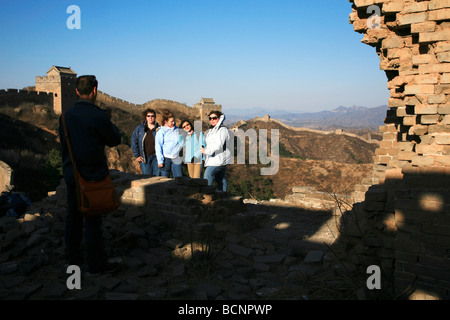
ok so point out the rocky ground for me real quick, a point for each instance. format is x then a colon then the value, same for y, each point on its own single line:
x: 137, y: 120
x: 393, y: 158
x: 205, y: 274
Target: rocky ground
x: 270, y: 251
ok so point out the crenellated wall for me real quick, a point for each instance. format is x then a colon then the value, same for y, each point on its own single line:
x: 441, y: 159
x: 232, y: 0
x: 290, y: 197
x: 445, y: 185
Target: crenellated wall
x: 15, y: 97
x: 403, y: 222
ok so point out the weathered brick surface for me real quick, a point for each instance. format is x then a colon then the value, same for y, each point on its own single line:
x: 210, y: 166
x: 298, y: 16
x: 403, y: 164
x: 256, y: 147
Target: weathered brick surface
x: 415, y: 51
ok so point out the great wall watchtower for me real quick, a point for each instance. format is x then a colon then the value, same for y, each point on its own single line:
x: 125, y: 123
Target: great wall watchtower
x: 205, y: 106
x: 61, y: 82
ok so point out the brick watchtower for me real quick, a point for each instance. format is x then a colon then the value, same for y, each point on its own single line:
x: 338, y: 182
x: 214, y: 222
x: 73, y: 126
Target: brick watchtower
x: 61, y: 82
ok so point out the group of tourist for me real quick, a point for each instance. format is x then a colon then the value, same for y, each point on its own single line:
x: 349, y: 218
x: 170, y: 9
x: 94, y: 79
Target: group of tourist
x: 157, y: 148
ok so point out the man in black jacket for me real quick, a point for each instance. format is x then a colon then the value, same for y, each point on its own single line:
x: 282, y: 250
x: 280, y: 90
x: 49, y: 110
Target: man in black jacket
x: 90, y: 129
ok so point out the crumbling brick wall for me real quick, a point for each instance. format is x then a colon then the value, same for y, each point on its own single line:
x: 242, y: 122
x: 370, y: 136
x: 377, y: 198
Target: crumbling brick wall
x: 184, y: 204
x: 403, y: 224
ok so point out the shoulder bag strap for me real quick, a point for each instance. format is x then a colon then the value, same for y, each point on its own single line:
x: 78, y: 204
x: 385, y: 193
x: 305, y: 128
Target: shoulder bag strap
x: 69, y: 147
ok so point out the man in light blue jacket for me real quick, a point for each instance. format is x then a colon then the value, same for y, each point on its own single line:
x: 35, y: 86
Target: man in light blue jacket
x: 167, y: 147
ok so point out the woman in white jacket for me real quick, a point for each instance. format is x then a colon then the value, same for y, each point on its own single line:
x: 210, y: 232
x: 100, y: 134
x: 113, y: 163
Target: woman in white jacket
x: 217, y: 154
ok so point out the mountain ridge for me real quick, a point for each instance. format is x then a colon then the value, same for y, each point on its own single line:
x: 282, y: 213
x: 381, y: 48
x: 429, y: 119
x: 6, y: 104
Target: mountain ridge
x: 354, y: 117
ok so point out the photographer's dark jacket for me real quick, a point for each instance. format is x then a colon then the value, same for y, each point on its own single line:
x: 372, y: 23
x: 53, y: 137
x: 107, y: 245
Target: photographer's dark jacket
x: 90, y: 130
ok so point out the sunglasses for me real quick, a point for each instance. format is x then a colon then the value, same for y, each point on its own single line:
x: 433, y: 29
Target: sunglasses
x: 150, y: 116
x: 213, y: 118
x: 186, y: 125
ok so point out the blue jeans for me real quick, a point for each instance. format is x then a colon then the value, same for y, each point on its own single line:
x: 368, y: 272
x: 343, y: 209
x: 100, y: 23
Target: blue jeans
x: 216, y: 174
x: 170, y: 166
x: 151, y: 166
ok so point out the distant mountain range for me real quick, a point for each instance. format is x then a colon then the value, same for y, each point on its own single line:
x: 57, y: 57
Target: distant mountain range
x: 341, y: 117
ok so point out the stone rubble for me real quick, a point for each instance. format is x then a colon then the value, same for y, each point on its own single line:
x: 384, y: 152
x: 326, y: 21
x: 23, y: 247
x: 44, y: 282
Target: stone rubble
x: 253, y: 260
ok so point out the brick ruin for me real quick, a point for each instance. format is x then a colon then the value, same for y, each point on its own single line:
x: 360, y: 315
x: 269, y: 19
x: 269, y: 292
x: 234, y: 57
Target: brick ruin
x: 403, y: 224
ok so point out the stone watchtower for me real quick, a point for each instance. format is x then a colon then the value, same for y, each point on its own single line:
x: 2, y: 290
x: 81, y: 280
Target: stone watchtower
x: 205, y: 106
x: 61, y: 81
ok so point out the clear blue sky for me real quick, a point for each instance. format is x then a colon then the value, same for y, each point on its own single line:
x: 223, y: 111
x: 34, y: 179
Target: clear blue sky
x: 286, y: 54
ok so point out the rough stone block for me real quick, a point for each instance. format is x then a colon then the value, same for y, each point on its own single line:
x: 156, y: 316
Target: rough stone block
x: 410, y: 120
x: 443, y: 89
x: 411, y: 18
x: 422, y: 161
x: 437, y: 99
x: 392, y: 42
x: 419, y: 89
x: 426, y: 26
x: 443, y: 56
x: 393, y: 7
x: 438, y: 15
x: 434, y: 36
x: 418, y: 130
x: 431, y: 78
x: 406, y: 155
x: 422, y: 58
x: 364, y: 3
x: 438, y: 4
x: 435, y: 67
x: 445, y: 78
x: 443, y: 139
x: 429, y: 119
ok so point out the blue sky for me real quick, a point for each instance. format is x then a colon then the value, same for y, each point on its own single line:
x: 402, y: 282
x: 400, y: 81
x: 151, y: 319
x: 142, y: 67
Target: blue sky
x: 294, y: 55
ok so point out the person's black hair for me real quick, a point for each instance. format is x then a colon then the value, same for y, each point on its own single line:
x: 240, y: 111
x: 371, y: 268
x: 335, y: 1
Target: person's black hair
x: 86, y: 84
x: 147, y: 111
x: 218, y: 113
x: 189, y: 122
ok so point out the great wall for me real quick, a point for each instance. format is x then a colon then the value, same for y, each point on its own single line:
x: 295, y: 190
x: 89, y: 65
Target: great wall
x: 399, y: 217
x: 267, y: 118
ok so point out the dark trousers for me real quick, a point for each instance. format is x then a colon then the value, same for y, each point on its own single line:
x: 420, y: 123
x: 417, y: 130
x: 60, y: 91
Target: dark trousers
x: 96, y: 255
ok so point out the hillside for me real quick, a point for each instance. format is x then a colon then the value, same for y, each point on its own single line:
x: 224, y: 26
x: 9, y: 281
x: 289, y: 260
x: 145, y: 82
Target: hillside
x: 316, y: 145
x: 30, y: 145
x: 327, y: 161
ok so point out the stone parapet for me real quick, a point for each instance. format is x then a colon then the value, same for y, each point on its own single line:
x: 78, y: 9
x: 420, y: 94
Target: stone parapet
x: 183, y: 203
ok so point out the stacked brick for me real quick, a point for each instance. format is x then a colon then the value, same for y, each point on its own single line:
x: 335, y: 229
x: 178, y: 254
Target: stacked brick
x: 185, y: 204
x: 409, y: 208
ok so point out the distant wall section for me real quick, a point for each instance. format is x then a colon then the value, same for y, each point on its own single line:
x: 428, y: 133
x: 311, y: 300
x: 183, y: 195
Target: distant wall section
x: 15, y: 97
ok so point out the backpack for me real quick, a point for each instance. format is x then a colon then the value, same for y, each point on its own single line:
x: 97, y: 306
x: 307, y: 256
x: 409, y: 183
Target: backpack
x: 13, y: 204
